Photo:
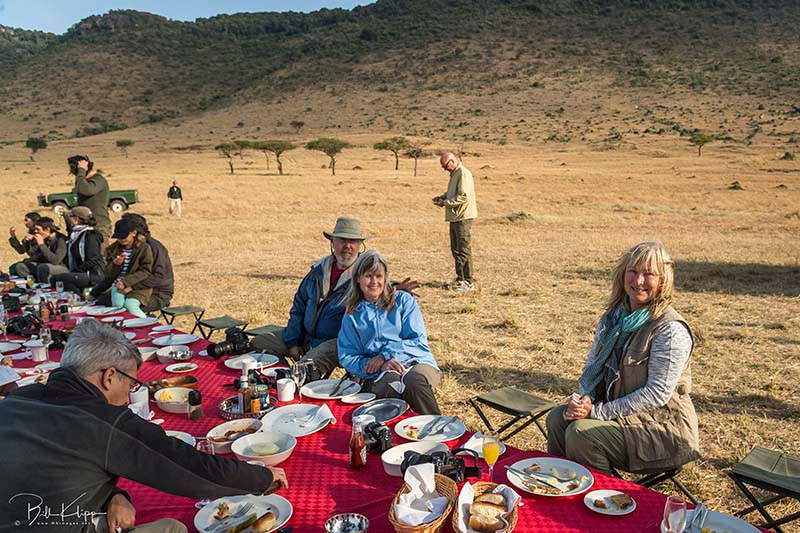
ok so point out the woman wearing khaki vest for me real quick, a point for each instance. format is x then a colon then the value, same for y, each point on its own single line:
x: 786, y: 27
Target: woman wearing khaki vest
x: 633, y: 411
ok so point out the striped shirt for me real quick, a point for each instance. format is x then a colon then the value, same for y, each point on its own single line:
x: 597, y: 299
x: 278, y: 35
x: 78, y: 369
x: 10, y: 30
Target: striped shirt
x: 128, y: 253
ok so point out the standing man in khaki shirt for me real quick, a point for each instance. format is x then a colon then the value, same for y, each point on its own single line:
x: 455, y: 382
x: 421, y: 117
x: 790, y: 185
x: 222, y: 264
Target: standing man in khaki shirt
x: 460, y: 209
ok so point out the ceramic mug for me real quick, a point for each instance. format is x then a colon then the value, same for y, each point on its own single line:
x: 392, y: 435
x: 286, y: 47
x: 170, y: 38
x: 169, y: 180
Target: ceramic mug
x: 286, y: 388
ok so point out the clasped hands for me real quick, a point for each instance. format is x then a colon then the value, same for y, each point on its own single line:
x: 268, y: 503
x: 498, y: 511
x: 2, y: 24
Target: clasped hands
x: 378, y: 364
x: 120, y: 286
x: 579, y: 407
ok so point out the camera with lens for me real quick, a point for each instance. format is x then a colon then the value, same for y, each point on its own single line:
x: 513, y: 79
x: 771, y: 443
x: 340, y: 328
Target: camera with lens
x: 445, y: 463
x: 378, y: 437
x: 236, y: 342
x: 73, y: 163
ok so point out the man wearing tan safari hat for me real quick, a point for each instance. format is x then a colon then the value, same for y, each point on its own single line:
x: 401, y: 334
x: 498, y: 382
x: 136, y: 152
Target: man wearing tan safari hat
x: 318, y: 307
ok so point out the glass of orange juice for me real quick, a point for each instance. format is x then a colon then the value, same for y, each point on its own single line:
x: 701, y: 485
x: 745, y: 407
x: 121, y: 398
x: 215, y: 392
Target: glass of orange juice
x: 491, y: 450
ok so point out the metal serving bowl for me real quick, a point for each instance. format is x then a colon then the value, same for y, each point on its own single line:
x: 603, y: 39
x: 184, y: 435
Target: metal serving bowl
x: 347, y: 523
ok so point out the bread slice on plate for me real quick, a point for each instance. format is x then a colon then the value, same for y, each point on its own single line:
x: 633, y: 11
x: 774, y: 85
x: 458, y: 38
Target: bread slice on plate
x: 623, y: 501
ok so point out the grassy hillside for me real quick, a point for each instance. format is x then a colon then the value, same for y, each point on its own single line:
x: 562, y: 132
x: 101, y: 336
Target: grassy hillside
x: 127, y: 68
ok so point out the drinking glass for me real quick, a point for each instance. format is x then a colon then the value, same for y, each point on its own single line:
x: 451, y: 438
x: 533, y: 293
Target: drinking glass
x: 299, y: 370
x: 29, y: 281
x: 674, y: 515
x: 45, y: 336
x: 204, y: 446
x: 59, y: 287
x: 4, y: 322
x: 491, y: 450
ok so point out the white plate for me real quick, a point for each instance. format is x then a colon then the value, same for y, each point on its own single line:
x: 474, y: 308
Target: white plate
x: 187, y: 367
x: 264, y: 360
x: 130, y: 335
x: 177, y: 338
x: 284, y: 420
x: 182, y: 435
x: 562, y: 466
x: 611, y: 509
x: 322, y: 389
x: 43, y: 368
x: 27, y: 380
x: 10, y: 346
x: 165, y: 327
x: 361, y: 397
x: 404, y: 428
x: 105, y: 311
x: 139, y: 322
x: 720, y: 522
x: 279, y: 506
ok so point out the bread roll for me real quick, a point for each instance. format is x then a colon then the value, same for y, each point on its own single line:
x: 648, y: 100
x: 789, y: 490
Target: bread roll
x: 490, y: 497
x: 484, y: 524
x: 264, y: 523
x: 485, y: 516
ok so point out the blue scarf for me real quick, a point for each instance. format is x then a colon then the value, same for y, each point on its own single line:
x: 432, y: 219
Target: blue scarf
x: 617, y: 328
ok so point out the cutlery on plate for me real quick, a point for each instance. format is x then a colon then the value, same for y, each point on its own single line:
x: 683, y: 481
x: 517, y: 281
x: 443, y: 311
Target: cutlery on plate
x: 529, y: 477
x: 231, y: 520
x: 443, y: 427
x: 339, y: 385
x: 427, y: 428
x: 342, y: 393
x: 698, y: 518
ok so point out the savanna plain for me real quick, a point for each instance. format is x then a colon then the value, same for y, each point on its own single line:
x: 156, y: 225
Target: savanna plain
x: 553, y: 219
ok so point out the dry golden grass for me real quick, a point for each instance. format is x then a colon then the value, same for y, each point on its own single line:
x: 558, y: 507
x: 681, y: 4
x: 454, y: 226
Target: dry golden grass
x: 246, y: 240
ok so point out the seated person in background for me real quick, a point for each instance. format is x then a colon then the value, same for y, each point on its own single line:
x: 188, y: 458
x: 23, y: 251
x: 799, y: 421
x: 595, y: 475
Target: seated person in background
x: 84, y: 258
x: 73, y: 438
x: 49, y: 252
x: 633, y: 409
x: 128, y: 261
x: 23, y: 247
x: 317, y: 309
x: 161, y: 280
x: 383, y: 338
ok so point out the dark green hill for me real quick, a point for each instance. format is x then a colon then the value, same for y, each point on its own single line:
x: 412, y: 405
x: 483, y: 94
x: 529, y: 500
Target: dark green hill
x: 127, y: 67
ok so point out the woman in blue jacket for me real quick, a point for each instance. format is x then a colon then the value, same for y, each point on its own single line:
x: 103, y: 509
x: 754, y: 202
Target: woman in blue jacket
x: 383, y: 338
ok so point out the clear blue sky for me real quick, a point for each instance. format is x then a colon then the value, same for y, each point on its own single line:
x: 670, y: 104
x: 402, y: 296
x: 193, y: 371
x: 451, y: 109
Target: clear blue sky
x: 57, y: 16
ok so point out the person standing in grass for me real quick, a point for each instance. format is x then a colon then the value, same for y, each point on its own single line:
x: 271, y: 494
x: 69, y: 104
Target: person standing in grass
x: 460, y: 209
x: 175, y: 197
x: 92, y: 191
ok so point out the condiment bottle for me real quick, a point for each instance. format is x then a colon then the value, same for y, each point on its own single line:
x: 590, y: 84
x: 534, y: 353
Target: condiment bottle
x: 244, y: 396
x: 44, y: 311
x: 358, y: 445
x: 195, y: 405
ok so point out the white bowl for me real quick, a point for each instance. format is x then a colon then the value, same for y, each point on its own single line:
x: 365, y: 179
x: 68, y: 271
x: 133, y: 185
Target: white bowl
x: 242, y: 448
x: 179, y: 403
x: 165, y: 357
x: 182, y: 435
x: 393, y: 457
x: 233, y: 425
x: 147, y: 352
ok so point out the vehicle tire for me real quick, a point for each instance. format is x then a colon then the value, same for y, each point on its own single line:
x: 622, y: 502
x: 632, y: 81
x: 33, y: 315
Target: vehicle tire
x: 118, y: 206
x: 59, y: 207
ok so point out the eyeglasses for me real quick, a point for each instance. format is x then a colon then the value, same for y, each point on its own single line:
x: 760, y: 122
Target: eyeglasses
x: 136, y: 383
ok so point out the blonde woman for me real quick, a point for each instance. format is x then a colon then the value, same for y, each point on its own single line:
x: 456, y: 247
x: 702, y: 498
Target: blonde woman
x: 633, y: 410
x: 383, y: 338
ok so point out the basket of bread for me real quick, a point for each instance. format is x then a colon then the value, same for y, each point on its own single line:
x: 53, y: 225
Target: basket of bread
x: 486, y: 508
x: 419, y: 506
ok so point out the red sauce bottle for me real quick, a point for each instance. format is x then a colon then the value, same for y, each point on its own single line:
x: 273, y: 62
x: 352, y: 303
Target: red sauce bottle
x: 358, y: 446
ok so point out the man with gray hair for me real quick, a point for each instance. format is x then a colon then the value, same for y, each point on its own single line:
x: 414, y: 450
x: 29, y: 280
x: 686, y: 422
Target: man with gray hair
x: 67, y: 442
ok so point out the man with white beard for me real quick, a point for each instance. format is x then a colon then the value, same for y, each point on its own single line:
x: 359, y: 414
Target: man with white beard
x: 318, y: 307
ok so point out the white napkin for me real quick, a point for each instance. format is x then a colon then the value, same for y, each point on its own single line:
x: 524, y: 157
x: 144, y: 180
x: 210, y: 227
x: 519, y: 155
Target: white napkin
x: 8, y: 375
x: 322, y: 414
x: 467, y: 496
x: 475, y: 443
x: 422, y: 504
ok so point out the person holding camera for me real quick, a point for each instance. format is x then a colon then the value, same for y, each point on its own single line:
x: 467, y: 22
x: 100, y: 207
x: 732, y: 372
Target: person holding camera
x: 92, y: 191
x: 26, y: 245
x: 51, y: 249
x: 129, y: 262
x: 84, y: 252
x: 383, y: 338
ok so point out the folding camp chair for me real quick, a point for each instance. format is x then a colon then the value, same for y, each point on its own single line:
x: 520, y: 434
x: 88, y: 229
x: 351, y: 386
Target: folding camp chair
x: 773, y: 472
x: 208, y: 326
x: 654, y: 478
x: 524, y: 409
x: 169, y: 314
x: 261, y: 330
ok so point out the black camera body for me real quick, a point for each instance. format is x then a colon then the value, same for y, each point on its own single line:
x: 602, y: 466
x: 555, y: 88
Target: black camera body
x: 11, y: 302
x: 236, y: 342
x: 25, y: 325
x: 445, y: 463
x: 378, y: 437
x: 73, y: 163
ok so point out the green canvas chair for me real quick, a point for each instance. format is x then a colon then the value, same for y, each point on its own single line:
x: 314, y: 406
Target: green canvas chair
x: 771, y: 471
x: 523, y: 408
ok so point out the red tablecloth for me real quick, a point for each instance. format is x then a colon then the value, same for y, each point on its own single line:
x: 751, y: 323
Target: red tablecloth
x: 322, y: 484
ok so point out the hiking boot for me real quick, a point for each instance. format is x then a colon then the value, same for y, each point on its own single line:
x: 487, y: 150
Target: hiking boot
x: 465, y: 285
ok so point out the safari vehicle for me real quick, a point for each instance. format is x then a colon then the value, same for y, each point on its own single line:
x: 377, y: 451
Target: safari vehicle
x: 118, y: 201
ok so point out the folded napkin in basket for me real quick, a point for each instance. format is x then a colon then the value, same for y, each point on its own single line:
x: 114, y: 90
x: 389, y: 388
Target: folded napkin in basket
x: 421, y: 504
x: 467, y: 496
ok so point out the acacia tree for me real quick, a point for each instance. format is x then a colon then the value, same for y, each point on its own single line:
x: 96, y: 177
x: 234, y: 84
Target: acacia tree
x: 394, y: 145
x: 124, y: 144
x: 700, y: 140
x: 227, y: 150
x: 297, y: 125
x: 34, y: 144
x: 275, y: 147
x: 241, y: 146
x: 330, y: 147
x: 415, y: 152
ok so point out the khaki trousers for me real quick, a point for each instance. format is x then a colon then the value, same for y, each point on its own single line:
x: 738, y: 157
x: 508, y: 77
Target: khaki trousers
x: 175, y: 207
x: 419, y: 382
x: 461, y: 250
x: 325, y: 356
x: 596, y: 443
x: 166, y: 525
